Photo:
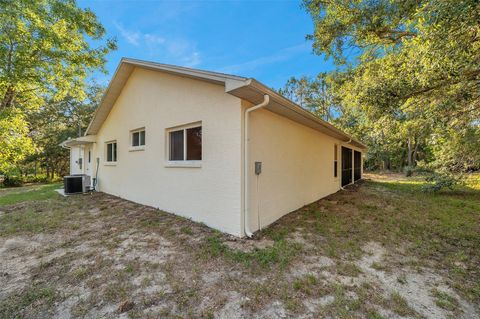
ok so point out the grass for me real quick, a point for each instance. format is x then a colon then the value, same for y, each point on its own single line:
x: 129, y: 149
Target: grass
x: 279, y: 254
x: 347, y: 269
x: 439, y: 229
x: 15, y: 305
x: 35, y: 221
x: 9, y: 196
x: 373, y: 314
x: 202, y: 267
x: 400, y: 305
x: 445, y: 301
x: 306, y: 284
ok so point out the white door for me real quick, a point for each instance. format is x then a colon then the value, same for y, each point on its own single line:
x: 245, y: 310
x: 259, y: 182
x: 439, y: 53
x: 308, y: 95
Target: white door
x: 88, y: 158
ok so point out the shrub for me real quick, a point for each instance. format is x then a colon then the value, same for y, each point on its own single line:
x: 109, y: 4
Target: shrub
x: 408, y: 170
x: 438, y: 181
x: 40, y: 178
x: 12, y: 181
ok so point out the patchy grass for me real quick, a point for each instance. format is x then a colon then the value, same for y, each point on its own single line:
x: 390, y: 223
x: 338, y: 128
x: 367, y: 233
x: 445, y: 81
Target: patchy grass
x: 445, y: 301
x: 440, y: 230
x: 279, y: 254
x: 400, y: 305
x: 348, y: 269
x: 355, y: 254
x: 373, y: 314
x: 17, y: 304
x: 37, y: 219
x: 9, y: 196
x: 306, y: 284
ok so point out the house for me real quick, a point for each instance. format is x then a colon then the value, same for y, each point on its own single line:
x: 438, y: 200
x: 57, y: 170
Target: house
x: 219, y: 149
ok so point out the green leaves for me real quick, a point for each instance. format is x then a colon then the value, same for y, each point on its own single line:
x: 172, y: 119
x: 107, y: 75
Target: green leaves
x: 412, y: 63
x: 47, y: 50
x: 15, y: 144
x: 312, y: 94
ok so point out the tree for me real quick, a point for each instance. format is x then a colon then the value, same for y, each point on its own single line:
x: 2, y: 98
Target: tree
x: 15, y: 144
x: 45, y: 50
x: 414, y: 63
x: 312, y: 94
x: 54, y: 123
x: 458, y: 150
x: 46, y: 53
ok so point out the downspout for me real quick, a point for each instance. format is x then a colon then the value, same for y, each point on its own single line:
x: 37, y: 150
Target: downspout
x: 266, y: 100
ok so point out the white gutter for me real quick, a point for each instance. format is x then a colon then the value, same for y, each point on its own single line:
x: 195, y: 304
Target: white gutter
x: 266, y: 100
x: 290, y: 105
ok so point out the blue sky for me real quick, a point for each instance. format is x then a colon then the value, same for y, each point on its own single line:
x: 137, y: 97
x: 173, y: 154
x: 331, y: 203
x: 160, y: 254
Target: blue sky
x: 260, y: 39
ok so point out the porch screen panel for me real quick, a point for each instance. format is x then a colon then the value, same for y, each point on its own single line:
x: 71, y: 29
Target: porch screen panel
x: 346, y: 166
x: 357, y: 166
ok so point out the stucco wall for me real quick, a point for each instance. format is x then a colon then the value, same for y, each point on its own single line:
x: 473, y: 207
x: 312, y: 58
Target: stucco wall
x: 157, y: 101
x: 297, y: 167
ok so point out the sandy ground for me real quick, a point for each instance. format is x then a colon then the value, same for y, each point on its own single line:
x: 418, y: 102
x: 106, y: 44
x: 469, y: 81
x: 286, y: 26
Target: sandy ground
x: 110, y: 258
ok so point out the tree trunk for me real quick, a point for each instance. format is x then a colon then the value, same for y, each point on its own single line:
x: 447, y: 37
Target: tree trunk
x: 409, y: 154
x: 386, y: 164
x: 8, y: 97
x: 415, y: 153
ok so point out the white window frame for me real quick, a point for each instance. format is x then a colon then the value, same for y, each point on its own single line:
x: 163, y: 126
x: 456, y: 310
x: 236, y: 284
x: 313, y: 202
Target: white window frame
x: 112, y: 163
x: 139, y: 147
x: 181, y: 163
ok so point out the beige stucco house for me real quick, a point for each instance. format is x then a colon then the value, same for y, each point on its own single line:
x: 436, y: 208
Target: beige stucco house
x: 219, y: 149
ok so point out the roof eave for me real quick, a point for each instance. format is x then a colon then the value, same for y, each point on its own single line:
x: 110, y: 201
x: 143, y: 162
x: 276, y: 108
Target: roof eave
x: 82, y: 140
x: 245, y: 88
x: 294, y: 109
x: 116, y: 84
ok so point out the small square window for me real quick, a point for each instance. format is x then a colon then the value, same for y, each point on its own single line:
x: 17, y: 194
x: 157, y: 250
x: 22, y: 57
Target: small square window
x: 185, y: 144
x: 111, y: 152
x: 138, y: 138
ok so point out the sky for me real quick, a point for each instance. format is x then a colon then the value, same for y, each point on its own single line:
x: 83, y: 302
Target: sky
x: 260, y: 39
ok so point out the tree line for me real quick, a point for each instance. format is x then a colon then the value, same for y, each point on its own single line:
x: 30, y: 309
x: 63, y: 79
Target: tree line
x: 407, y: 81
x: 48, y: 50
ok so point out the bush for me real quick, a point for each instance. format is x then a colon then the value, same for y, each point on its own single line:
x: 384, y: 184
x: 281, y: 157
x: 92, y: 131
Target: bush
x: 439, y: 181
x: 408, y: 170
x: 12, y: 181
x: 40, y: 178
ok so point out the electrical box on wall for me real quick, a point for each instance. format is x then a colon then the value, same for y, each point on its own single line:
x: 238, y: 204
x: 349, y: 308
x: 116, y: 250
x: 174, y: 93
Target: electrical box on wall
x: 258, y: 168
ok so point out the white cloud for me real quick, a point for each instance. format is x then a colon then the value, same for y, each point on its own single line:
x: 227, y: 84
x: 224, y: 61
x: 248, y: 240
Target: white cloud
x: 153, y: 39
x: 164, y: 50
x: 193, y: 59
x: 130, y: 36
x: 281, y: 55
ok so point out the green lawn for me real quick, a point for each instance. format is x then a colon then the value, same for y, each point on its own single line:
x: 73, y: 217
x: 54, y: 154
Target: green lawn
x: 9, y: 196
